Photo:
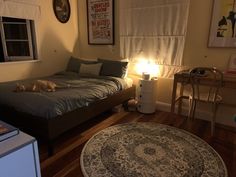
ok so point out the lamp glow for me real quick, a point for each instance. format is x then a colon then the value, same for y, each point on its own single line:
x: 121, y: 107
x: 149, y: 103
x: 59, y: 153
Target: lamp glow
x: 147, y: 66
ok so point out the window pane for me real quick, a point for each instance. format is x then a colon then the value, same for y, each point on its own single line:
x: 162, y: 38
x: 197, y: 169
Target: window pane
x: 15, y: 31
x: 8, y: 19
x: 18, y: 48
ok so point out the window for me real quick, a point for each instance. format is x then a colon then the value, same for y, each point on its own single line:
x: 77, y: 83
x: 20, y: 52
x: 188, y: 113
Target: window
x: 153, y: 33
x: 17, y: 39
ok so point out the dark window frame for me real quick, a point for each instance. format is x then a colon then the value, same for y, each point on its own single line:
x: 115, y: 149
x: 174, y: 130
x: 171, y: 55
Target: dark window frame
x: 30, y: 53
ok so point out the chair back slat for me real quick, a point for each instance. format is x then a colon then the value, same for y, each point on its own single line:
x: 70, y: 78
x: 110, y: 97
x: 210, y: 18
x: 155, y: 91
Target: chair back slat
x: 206, y: 81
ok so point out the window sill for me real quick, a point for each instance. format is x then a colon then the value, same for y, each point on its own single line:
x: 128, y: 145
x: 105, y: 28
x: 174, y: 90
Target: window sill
x: 20, y: 62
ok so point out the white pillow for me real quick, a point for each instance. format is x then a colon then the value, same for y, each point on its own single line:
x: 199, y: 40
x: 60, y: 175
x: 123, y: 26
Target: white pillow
x: 93, y: 69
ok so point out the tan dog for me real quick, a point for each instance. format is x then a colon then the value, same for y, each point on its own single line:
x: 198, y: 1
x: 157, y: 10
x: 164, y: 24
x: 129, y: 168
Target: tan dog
x: 36, y: 86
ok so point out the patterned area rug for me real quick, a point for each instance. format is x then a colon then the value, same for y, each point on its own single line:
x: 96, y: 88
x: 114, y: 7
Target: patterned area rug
x: 149, y: 149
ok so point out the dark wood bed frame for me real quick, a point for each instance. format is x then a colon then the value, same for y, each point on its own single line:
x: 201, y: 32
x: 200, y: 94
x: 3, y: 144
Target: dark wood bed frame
x: 50, y: 129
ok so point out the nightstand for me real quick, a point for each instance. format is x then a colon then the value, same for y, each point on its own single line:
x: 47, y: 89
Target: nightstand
x: 147, y: 96
x: 19, y: 157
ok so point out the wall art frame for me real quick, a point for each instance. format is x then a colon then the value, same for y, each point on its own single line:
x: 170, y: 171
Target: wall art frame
x: 62, y: 10
x: 223, y: 24
x: 100, y: 22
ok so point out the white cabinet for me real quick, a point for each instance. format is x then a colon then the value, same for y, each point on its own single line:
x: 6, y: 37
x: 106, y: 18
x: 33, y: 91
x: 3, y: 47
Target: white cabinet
x: 147, y: 96
x: 19, y: 157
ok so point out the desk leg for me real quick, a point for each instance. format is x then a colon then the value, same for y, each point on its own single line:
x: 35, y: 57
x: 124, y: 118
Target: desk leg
x: 181, y: 91
x: 172, y: 108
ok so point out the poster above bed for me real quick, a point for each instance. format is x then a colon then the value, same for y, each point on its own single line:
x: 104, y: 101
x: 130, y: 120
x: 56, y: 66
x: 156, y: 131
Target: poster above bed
x: 100, y: 22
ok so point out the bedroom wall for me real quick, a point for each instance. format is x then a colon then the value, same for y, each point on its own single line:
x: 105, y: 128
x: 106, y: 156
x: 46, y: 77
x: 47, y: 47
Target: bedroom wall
x: 55, y: 43
x: 95, y: 51
x: 196, y: 53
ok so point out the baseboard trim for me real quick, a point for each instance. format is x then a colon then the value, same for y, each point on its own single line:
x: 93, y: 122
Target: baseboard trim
x: 163, y: 106
x: 199, y: 114
x: 226, y: 127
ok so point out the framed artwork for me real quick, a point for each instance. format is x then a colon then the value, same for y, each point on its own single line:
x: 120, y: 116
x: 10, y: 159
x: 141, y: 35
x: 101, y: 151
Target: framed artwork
x: 62, y: 10
x: 223, y: 30
x: 100, y: 21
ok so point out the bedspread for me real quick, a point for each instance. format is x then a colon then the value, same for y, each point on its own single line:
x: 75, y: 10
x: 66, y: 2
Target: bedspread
x: 73, y: 91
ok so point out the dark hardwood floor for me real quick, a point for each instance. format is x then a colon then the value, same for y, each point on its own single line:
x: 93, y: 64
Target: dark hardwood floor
x: 66, y: 161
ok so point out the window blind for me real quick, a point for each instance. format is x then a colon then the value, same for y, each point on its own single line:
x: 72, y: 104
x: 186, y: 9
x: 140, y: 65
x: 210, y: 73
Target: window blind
x: 25, y: 9
x: 154, y: 30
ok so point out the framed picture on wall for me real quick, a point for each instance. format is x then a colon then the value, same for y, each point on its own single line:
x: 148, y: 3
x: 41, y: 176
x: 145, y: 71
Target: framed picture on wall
x: 223, y: 28
x: 62, y: 10
x: 100, y: 20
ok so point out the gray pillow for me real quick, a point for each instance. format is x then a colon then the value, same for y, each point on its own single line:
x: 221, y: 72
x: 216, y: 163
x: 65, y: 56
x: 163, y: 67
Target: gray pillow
x: 92, y: 69
x: 113, y: 68
x: 74, y: 64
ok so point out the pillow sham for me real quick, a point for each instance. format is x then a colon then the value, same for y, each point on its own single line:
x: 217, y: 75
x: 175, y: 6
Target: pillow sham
x: 74, y: 64
x: 92, y: 69
x: 113, y: 68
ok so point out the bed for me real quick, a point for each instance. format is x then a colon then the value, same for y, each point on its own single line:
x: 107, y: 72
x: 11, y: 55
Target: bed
x: 78, y: 97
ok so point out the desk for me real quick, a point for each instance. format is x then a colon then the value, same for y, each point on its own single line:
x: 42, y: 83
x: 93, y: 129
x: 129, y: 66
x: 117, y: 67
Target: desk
x: 182, y: 78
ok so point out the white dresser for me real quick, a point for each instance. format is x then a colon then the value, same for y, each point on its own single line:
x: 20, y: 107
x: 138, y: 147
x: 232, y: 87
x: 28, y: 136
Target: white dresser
x: 19, y: 157
x: 147, y: 96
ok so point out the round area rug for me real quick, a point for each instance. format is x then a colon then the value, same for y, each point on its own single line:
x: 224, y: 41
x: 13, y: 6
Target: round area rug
x: 149, y: 149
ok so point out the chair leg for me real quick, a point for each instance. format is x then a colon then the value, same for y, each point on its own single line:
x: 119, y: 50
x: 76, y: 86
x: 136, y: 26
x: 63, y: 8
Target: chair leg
x: 190, y: 101
x: 215, y: 106
x: 194, y: 108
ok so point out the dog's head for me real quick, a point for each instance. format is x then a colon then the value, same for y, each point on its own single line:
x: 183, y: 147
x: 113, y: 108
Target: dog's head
x: 19, y: 87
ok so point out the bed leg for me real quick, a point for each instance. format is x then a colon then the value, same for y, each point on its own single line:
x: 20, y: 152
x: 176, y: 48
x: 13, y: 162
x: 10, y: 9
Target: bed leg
x: 125, y: 105
x: 50, y: 148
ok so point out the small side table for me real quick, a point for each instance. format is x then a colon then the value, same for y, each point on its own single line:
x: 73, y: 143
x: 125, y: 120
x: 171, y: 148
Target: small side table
x: 19, y: 157
x: 147, y: 96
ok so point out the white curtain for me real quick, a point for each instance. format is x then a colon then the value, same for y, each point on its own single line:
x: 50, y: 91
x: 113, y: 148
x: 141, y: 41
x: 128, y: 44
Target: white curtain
x: 154, y: 30
x: 26, y: 9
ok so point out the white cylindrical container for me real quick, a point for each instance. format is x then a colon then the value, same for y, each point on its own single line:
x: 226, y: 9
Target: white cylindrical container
x: 146, y: 76
x: 147, y: 96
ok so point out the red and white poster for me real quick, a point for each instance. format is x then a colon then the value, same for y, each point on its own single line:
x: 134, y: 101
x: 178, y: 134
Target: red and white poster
x: 100, y: 21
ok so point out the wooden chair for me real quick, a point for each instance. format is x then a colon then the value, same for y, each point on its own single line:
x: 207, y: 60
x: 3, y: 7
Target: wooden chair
x: 205, y: 84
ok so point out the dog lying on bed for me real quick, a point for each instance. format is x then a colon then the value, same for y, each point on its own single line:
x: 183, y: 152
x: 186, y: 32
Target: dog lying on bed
x: 36, y: 86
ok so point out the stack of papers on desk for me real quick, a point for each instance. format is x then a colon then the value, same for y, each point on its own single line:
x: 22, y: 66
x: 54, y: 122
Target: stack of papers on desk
x: 7, y: 131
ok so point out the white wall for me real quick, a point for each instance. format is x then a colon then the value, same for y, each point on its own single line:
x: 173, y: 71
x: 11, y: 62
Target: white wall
x: 55, y: 43
x: 95, y: 51
x: 196, y: 51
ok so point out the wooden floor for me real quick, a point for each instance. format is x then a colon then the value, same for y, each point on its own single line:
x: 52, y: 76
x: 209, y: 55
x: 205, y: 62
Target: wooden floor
x: 66, y: 161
